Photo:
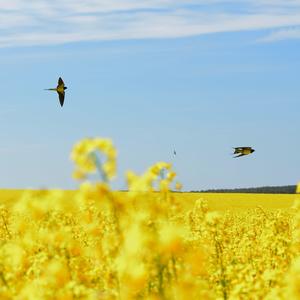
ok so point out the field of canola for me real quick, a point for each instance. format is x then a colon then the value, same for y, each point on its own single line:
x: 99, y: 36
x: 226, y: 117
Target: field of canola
x: 149, y: 243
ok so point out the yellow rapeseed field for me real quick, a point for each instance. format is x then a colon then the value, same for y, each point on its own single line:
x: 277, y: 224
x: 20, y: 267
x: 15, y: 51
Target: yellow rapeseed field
x: 149, y: 243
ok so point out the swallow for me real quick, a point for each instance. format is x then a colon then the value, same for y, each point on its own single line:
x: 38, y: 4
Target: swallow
x: 242, y: 151
x: 60, y: 89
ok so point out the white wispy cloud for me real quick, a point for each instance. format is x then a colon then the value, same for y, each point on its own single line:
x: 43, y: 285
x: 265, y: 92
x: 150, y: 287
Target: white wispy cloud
x: 282, y: 34
x: 45, y: 22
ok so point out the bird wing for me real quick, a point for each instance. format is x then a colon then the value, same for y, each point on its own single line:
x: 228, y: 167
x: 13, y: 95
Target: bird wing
x: 242, y: 154
x: 237, y: 150
x: 61, y: 96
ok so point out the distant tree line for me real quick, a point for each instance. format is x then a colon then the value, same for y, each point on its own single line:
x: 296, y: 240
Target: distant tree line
x: 286, y: 189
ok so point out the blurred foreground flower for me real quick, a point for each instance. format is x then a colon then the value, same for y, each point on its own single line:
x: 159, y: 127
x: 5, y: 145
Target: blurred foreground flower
x: 157, y: 177
x: 95, y: 243
x: 86, y: 155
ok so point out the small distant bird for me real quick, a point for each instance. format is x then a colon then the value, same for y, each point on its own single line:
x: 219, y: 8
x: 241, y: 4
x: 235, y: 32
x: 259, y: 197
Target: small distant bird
x: 174, y: 152
x: 60, y: 89
x: 242, y: 151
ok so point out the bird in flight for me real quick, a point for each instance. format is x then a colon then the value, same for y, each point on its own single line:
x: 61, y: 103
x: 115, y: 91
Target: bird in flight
x: 60, y: 89
x: 242, y: 151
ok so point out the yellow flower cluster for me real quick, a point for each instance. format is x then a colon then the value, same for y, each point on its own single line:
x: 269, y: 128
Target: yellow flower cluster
x: 157, y: 177
x: 86, y: 155
x: 145, y: 244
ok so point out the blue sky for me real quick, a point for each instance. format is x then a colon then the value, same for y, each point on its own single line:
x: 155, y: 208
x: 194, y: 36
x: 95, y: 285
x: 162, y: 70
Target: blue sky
x: 197, y: 76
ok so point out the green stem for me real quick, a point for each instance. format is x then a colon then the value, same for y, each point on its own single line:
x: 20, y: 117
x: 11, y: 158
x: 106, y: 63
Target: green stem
x: 5, y: 225
x: 3, y: 279
x: 98, y: 164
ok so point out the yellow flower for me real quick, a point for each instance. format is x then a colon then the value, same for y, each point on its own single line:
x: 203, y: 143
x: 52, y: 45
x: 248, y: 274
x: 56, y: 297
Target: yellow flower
x: 171, y: 175
x: 298, y: 188
x: 85, y: 156
x: 14, y: 256
x: 79, y: 175
x: 158, y: 167
x: 212, y: 218
x: 56, y: 273
x: 143, y: 183
x: 178, y: 186
x: 109, y: 168
x: 171, y: 239
x: 164, y: 185
x: 151, y: 179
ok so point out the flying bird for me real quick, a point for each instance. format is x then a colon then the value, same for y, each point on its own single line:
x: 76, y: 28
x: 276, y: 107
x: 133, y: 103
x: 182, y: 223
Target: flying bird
x: 60, y: 89
x: 242, y: 151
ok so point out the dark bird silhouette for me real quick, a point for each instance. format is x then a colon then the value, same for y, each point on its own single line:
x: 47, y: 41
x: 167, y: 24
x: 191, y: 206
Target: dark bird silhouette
x: 174, y: 152
x: 242, y: 151
x: 60, y: 89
